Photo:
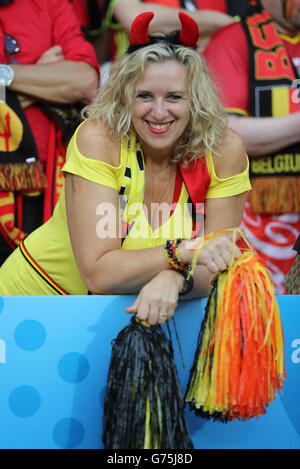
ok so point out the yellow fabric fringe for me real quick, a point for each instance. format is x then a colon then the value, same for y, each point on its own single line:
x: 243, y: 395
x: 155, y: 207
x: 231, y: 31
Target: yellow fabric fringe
x: 240, y: 361
x: 275, y: 195
x: 22, y: 177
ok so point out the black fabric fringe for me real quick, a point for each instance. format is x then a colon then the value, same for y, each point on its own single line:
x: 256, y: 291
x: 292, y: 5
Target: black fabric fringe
x: 142, y: 368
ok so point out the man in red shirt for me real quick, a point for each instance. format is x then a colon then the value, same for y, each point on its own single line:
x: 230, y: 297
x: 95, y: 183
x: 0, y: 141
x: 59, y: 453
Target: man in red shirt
x: 229, y: 56
x: 49, y: 62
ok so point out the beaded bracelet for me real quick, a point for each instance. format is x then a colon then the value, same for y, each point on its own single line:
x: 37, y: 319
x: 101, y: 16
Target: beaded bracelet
x: 173, y: 257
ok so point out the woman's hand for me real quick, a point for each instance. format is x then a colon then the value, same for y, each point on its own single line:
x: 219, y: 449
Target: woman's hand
x: 158, y: 299
x: 216, y: 254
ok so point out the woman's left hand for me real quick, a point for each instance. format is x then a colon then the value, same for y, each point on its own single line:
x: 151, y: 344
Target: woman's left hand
x: 158, y: 299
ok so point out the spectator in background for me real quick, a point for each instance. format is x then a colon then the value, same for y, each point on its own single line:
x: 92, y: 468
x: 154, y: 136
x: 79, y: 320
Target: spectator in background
x: 95, y: 14
x: 120, y: 13
x: 90, y: 15
x: 45, y: 68
x: 255, y: 64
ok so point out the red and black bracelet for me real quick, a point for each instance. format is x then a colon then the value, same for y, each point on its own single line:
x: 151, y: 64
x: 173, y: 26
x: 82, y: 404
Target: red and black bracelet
x: 173, y: 257
x: 176, y: 263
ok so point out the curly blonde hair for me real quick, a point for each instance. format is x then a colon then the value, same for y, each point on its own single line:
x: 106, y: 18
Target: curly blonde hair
x: 112, y: 105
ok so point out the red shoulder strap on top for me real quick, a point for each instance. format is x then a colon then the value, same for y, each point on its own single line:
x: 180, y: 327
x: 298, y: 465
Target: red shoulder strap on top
x: 197, y: 179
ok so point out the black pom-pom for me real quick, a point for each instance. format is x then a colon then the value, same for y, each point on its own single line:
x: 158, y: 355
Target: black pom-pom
x: 144, y: 406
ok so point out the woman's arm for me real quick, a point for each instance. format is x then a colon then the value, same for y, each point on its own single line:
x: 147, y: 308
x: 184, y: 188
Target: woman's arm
x: 166, y: 18
x: 102, y: 263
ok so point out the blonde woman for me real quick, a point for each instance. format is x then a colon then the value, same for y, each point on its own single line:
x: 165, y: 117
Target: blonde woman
x: 152, y: 151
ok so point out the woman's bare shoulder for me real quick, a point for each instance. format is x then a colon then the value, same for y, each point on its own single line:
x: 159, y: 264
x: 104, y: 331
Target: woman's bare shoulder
x: 94, y: 141
x: 231, y: 157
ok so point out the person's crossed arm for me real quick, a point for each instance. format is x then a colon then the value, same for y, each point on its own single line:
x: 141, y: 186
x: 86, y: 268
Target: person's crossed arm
x: 66, y: 72
x: 166, y: 18
x: 228, y: 60
x: 62, y: 82
x: 263, y: 135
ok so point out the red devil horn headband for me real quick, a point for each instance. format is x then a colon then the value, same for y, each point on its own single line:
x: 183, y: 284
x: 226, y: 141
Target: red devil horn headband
x: 139, y: 29
x: 139, y: 34
x: 189, y: 30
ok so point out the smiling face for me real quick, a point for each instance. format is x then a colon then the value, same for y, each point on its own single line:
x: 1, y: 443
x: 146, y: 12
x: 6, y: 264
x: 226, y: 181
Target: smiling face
x: 161, y: 109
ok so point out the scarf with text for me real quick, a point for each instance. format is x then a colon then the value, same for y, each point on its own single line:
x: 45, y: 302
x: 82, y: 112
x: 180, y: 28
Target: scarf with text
x: 275, y: 177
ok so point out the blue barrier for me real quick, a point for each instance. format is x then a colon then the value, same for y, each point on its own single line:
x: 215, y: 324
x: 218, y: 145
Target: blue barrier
x: 54, y: 357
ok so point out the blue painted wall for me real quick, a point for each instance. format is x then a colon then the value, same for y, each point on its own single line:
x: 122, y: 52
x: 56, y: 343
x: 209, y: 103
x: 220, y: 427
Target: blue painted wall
x: 54, y: 357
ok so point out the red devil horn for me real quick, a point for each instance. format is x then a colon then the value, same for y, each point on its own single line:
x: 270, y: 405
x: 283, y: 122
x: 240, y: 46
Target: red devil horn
x: 139, y: 29
x: 189, y: 30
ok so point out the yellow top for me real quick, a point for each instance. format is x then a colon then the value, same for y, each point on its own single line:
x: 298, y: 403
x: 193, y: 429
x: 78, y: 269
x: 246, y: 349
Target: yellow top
x: 128, y: 180
x: 51, y: 242
x: 113, y: 176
